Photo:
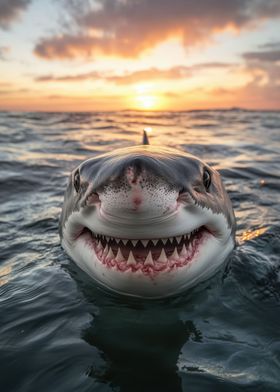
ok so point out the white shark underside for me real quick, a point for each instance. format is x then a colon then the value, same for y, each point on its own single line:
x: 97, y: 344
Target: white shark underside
x: 147, y: 222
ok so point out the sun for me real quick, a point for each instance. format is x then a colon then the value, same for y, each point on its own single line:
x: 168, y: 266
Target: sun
x: 145, y: 98
x: 147, y: 102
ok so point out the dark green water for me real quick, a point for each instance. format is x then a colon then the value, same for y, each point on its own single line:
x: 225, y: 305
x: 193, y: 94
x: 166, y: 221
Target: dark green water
x: 59, y: 332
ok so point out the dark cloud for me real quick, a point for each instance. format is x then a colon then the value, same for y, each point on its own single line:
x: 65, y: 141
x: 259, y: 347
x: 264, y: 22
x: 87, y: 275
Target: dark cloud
x: 264, y: 56
x: 270, y: 46
x: 128, y: 28
x: 264, y: 62
x: 72, y: 46
x: 179, y: 72
x: 265, y: 67
x: 10, y: 11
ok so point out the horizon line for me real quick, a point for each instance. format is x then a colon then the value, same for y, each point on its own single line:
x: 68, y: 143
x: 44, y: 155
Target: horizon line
x: 230, y: 109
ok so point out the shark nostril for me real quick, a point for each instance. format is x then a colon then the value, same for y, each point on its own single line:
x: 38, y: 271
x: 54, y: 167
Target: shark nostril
x: 93, y: 198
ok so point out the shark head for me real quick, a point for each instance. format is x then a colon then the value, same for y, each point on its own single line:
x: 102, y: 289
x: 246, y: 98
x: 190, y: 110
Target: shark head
x: 147, y: 221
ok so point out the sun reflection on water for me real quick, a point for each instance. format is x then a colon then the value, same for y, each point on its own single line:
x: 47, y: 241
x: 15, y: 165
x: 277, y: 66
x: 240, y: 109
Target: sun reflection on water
x: 251, y: 234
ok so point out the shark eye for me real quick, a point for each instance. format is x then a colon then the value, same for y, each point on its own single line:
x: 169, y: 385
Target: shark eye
x: 206, y: 179
x: 77, y: 181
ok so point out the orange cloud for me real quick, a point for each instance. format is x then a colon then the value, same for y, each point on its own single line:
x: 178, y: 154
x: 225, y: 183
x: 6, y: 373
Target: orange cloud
x: 179, y: 72
x: 255, y: 95
x: 128, y: 28
x: 263, y: 91
x: 69, y: 78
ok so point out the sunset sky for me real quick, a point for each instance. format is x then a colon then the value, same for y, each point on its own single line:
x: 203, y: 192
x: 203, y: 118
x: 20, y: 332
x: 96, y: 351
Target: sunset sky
x: 81, y: 55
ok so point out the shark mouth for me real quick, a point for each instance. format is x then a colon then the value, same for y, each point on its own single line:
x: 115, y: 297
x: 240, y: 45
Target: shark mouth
x: 147, y: 256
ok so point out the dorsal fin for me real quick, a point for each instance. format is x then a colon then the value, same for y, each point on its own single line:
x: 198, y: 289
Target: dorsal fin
x: 145, y: 138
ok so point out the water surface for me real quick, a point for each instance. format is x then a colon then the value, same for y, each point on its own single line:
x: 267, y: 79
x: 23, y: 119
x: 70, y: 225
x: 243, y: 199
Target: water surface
x: 60, y: 332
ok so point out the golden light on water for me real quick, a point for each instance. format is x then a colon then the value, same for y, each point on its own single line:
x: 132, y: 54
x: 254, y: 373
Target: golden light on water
x: 5, y: 274
x: 251, y: 234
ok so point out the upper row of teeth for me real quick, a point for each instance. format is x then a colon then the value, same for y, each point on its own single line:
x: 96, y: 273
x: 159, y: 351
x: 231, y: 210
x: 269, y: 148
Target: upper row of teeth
x: 145, y: 242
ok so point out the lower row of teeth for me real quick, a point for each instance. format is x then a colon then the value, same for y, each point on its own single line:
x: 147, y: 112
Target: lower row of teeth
x: 177, y: 258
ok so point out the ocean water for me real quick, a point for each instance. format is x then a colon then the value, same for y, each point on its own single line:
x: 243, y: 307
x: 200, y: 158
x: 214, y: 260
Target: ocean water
x: 61, y: 332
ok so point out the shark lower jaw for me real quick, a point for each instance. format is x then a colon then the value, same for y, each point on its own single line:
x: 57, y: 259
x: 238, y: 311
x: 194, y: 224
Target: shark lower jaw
x: 148, y: 257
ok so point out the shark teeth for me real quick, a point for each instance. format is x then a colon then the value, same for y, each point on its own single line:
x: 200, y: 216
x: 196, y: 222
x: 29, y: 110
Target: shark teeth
x: 110, y: 255
x: 149, y: 259
x: 156, y: 253
x: 184, y: 251
x: 119, y: 256
x: 131, y: 260
x: 105, y: 251
x: 145, y: 242
x: 175, y: 255
x: 99, y: 245
x: 178, y: 239
x: 162, y: 257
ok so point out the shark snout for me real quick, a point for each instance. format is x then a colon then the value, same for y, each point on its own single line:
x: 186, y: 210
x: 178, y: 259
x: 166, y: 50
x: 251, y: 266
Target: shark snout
x: 139, y: 203
x: 143, y: 196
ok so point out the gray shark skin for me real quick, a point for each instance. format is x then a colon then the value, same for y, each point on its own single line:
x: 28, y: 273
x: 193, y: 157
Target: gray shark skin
x: 147, y: 221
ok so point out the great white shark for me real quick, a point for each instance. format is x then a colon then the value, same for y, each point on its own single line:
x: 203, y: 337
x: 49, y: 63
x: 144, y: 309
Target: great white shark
x: 147, y: 221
